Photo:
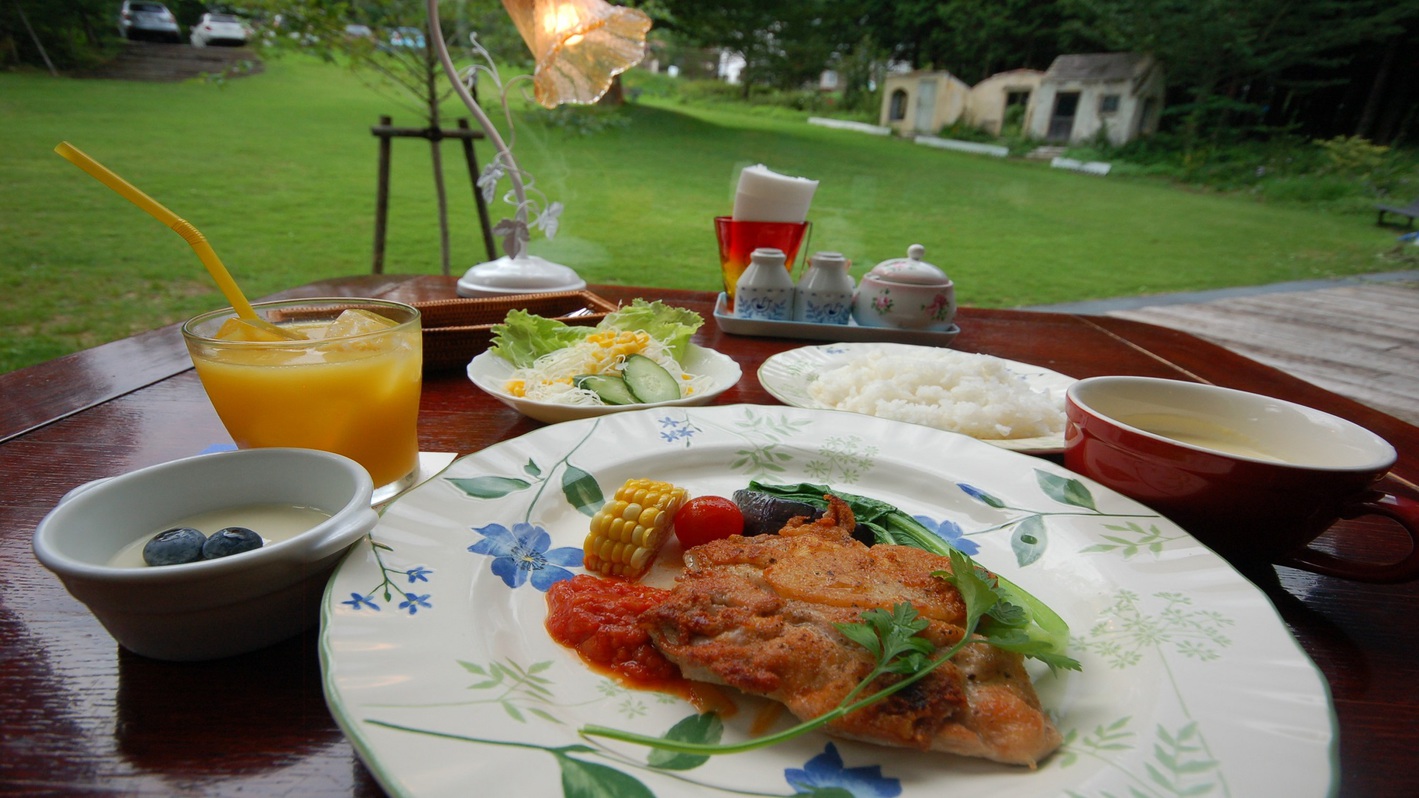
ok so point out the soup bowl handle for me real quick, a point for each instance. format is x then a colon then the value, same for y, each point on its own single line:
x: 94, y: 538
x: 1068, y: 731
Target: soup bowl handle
x: 1403, y: 510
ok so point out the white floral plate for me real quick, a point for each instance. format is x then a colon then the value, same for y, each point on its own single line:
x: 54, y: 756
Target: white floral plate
x: 438, y: 668
x: 788, y: 375
x: 490, y: 372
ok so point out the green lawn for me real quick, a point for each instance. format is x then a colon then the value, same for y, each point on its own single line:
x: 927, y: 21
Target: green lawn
x: 278, y: 171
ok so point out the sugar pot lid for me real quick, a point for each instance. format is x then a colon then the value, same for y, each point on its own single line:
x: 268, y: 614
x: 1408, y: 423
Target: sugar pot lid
x: 911, y: 270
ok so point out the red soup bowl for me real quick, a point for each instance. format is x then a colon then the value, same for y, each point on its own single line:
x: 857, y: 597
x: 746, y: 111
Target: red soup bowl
x: 1255, y: 478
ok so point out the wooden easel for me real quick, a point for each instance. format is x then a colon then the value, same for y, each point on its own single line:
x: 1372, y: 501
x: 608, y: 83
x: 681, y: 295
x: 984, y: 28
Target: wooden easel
x: 386, y: 133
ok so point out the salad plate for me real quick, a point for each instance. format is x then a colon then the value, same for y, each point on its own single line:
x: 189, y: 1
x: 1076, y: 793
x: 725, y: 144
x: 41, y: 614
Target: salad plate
x: 491, y: 373
x: 788, y: 375
x: 437, y: 666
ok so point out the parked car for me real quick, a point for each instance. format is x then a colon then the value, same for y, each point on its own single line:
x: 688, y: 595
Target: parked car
x: 220, y: 29
x: 146, y: 20
x: 407, y: 37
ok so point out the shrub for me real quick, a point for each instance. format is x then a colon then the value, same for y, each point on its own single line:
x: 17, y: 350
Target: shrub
x: 709, y: 90
x: 961, y: 131
x: 639, y: 82
x: 1353, y: 156
x: 581, y: 120
x: 1310, y: 189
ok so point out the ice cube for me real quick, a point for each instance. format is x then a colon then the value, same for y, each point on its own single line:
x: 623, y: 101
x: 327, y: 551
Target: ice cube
x: 239, y: 329
x: 358, y: 321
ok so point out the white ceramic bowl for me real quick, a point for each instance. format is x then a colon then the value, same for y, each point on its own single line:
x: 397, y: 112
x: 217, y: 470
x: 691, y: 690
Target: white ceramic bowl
x: 213, y: 608
x: 490, y: 372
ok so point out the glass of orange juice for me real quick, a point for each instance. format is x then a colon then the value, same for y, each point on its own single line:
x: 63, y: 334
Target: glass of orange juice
x: 347, y: 380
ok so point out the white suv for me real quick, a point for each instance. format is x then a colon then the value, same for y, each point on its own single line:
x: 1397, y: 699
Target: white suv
x: 146, y: 20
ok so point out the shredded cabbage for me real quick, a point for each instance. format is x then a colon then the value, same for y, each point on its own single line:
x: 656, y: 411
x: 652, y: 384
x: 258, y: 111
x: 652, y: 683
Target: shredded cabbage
x: 551, y: 378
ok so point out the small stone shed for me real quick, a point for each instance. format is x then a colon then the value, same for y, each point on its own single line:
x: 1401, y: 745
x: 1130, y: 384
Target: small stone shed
x: 922, y: 102
x: 992, y: 99
x: 1120, y: 94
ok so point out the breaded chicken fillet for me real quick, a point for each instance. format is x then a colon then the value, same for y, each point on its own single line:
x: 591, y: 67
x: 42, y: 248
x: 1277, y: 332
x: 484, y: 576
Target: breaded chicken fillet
x: 758, y: 614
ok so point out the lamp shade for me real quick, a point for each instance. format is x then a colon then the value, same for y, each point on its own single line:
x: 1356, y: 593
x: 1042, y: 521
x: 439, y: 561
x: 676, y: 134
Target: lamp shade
x: 580, y: 45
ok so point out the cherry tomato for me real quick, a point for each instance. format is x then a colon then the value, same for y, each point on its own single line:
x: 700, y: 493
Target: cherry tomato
x: 706, y: 518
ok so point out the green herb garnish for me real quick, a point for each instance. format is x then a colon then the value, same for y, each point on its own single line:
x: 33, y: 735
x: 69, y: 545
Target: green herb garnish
x: 1020, y: 623
x: 1007, y: 624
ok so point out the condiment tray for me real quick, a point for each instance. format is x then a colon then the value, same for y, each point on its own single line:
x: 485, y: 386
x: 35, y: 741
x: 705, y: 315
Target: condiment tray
x: 852, y: 331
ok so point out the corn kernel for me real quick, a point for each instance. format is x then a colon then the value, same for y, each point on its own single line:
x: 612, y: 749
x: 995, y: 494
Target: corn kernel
x: 629, y: 529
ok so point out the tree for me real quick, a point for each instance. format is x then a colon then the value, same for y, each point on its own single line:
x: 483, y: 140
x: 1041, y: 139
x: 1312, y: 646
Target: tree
x: 972, y: 39
x: 405, y: 66
x: 782, y: 44
x: 1234, y: 57
x: 66, y: 33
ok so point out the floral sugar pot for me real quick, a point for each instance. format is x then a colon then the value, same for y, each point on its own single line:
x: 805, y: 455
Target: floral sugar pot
x: 824, y: 290
x: 907, y: 293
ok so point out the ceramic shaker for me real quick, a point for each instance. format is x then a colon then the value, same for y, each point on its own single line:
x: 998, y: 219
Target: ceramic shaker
x: 825, y: 290
x: 765, y: 289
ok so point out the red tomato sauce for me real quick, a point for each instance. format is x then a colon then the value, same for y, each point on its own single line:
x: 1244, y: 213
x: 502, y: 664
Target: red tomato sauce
x: 599, y: 619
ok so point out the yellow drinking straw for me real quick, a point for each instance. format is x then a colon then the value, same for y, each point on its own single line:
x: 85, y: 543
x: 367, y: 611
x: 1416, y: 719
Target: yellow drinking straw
x: 183, y: 228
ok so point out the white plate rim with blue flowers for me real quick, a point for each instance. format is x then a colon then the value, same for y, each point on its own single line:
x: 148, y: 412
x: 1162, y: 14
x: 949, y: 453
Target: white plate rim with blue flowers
x: 439, y: 670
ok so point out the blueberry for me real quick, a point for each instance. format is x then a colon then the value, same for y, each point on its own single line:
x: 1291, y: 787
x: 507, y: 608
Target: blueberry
x: 229, y: 541
x: 174, y: 546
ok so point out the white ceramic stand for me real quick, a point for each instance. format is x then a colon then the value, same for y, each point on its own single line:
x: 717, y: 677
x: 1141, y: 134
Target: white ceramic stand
x: 525, y: 274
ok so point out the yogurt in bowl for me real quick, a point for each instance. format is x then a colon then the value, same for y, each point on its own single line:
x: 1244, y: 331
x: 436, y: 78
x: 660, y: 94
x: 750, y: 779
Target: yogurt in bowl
x: 209, y: 608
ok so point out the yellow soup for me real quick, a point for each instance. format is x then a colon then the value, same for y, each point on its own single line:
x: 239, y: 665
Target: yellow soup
x: 356, y: 397
x: 1200, y: 433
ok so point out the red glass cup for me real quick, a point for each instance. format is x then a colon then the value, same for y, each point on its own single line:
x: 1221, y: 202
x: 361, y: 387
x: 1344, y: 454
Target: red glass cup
x: 738, y: 240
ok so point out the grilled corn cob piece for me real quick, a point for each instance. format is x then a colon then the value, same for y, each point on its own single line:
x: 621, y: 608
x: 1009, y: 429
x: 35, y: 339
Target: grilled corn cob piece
x: 628, y: 531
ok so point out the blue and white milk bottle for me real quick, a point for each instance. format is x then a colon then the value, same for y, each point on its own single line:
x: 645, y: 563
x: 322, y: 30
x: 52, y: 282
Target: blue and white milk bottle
x: 825, y: 290
x: 765, y: 289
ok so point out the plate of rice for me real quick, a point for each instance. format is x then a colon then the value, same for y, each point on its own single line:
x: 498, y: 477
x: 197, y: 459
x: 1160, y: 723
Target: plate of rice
x: 1012, y: 405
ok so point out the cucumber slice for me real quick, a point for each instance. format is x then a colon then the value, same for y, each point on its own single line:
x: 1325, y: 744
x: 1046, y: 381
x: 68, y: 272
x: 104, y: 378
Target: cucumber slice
x: 649, y: 381
x: 612, y: 390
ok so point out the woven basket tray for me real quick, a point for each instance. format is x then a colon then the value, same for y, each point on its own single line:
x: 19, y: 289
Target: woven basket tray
x: 457, y: 329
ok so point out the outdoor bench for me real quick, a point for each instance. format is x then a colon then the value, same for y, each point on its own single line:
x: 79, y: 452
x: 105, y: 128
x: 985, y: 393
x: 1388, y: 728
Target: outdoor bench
x: 1410, y: 211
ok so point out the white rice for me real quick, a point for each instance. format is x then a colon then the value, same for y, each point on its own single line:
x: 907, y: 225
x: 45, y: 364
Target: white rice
x: 975, y: 395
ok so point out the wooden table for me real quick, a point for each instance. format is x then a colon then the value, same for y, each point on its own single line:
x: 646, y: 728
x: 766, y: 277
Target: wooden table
x: 80, y: 716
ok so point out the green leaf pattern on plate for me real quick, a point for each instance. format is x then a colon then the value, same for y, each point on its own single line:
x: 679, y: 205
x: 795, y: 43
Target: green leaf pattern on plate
x: 1182, y: 763
x: 582, y: 491
x: 1030, y: 537
x: 522, y: 691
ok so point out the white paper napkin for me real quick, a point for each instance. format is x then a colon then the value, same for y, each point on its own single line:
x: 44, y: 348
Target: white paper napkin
x: 764, y: 195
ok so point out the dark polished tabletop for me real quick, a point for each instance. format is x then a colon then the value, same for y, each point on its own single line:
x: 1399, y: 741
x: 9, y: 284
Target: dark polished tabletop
x: 79, y: 715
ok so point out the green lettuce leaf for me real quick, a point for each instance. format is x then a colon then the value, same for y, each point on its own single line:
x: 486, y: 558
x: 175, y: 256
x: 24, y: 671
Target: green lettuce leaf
x: 670, y: 325
x: 523, y: 337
